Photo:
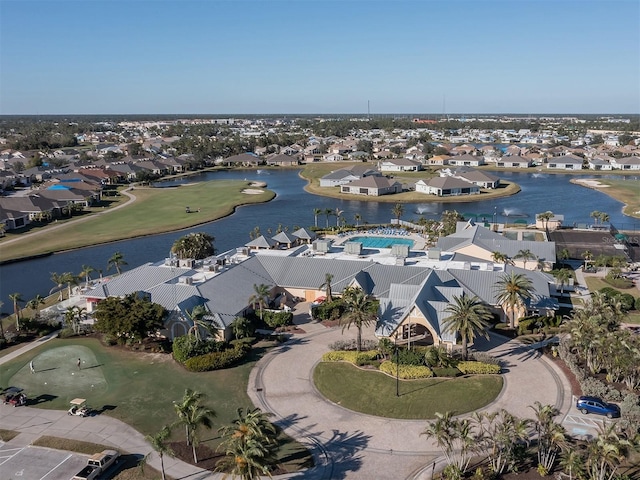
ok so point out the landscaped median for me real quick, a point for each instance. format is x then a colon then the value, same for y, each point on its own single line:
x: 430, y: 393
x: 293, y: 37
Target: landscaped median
x: 366, y: 382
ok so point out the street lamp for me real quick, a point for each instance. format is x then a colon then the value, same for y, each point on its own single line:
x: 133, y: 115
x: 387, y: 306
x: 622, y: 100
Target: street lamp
x: 395, y: 342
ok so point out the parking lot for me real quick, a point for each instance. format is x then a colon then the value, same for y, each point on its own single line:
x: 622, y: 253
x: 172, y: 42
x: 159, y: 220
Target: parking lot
x: 35, y: 463
x: 583, y: 426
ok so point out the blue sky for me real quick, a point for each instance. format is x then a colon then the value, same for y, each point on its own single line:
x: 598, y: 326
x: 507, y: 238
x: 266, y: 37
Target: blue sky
x: 319, y: 56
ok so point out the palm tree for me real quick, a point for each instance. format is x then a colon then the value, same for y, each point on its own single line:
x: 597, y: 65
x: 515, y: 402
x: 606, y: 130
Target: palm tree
x: 545, y: 217
x: 360, y: 312
x: 250, y: 442
x: 551, y: 435
x: 86, y: 272
x: 34, y: 304
x: 358, y: 218
x: 16, y: 298
x: 605, y: 452
x: 525, y: 255
x: 604, y: 217
x: 316, y: 212
x: 242, y: 327
x: 454, y: 438
x: 70, y: 279
x: 338, y: 213
x: 197, y: 245
x: 398, y: 211
x: 499, y: 257
x: 197, y: 317
x: 328, y: 212
x: 595, y: 215
x: 260, y: 297
x: 562, y: 277
x: 59, y: 281
x: 116, y: 261
x: 192, y: 414
x: 159, y: 444
x: 468, y: 316
x: 512, y: 291
x: 328, y: 278
x: 587, y: 255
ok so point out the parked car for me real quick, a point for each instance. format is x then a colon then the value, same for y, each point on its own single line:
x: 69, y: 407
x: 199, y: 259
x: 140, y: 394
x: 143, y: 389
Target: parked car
x: 600, y: 407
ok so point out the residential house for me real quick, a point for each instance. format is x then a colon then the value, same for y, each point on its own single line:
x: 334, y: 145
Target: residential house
x: 565, y: 162
x: 332, y: 157
x: 626, y: 163
x: 514, y: 161
x: 282, y: 160
x: 399, y: 165
x: 243, y: 159
x: 439, y: 160
x: 346, y: 175
x: 600, y: 163
x: 373, y: 186
x: 477, y: 177
x: 446, y: 187
x: 467, y: 160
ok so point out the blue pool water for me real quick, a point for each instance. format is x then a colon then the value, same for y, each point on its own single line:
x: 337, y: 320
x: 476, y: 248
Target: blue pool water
x: 381, y: 242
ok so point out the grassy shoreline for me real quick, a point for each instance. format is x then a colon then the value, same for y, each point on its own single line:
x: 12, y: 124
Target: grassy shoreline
x: 154, y: 211
x: 625, y: 191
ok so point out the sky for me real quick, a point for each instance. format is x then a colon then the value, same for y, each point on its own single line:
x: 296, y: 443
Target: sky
x: 319, y: 56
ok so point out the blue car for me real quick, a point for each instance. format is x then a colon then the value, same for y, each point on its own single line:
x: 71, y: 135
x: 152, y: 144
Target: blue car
x: 600, y: 407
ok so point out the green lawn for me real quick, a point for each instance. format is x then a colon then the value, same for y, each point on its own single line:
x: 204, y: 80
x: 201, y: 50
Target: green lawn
x: 352, y: 388
x: 594, y: 284
x: 137, y: 388
x: 626, y: 191
x: 155, y: 210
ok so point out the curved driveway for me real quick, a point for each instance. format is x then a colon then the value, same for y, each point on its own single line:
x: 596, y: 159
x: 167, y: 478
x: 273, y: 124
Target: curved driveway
x: 353, y: 445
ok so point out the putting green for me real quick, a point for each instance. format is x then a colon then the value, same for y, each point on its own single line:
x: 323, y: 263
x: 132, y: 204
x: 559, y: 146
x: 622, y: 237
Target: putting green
x: 57, y: 374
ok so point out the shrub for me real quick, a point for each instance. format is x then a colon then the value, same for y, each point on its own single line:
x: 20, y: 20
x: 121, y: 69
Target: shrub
x: 609, y: 292
x: 66, y: 332
x: 278, y: 319
x: 351, y: 345
x: 406, y: 371
x: 627, y: 301
x: 526, y: 326
x: 450, y: 372
x: 484, y: 357
x: 638, y: 303
x: 410, y: 357
x: 478, y: 367
x: 357, y: 358
x: 186, y: 347
x: 216, y: 360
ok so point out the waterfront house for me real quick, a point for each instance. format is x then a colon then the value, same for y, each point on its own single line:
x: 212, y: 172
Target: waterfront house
x: 514, y: 161
x: 346, y: 175
x: 446, y: 187
x: 282, y: 160
x: 565, y: 162
x: 467, y: 160
x: 626, y: 163
x: 373, y: 186
x: 477, y: 177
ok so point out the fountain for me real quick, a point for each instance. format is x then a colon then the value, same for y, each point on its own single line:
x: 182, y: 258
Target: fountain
x: 513, y: 212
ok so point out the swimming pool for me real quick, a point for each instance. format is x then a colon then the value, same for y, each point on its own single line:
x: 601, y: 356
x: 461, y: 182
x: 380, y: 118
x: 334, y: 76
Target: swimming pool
x: 381, y: 242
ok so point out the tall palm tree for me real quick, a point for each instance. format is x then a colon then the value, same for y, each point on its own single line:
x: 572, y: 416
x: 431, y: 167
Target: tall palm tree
x: 525, y: 255
x: 159, y: 444
x: 358, y: 218
x: 328, y: 278
x: 35, y: 302
x: 468, y: 316
x: 551, y: 435
x: 544, y: 218
x: 16, y: 298
x: 398, y: 211
x: 595, y: 215
x: 562, y: 278
x: 360, y: 312
x: 338, y: 213
x: 327, y: 213
x: 197, y: 316
x: 260, y: 297
x: 587, y: 255
x: 70, y: 279
x: 604, y: 217
x: 192, y: 414
x: 59, y: 281
x: 605, y: 452
x: 513, y: 290
x: 499, y: 257
x: 250, y: 443
x: 116, y: 261
x: 87, y: 270
x: 316, y: 212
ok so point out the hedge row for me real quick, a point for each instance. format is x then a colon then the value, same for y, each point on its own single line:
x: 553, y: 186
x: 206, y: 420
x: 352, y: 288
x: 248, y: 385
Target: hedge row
x: 357, y: 358
x: 406, y: 372
x: 278, y: 319
x: 216, y: 360
x: 478, y: 367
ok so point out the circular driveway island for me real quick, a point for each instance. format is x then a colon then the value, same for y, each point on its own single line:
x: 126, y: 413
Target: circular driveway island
x: 351, y: 445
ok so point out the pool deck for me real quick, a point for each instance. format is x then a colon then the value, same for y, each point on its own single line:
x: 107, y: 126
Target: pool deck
x: 419, y: 242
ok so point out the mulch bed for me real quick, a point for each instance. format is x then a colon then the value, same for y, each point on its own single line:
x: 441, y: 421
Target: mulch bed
x: 575, y: 385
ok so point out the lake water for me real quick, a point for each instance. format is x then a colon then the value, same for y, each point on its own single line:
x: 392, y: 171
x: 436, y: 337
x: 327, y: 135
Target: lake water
x: 293, y: 207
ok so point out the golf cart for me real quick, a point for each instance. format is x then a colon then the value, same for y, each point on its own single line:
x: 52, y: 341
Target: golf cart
x: 79, y: 407
x: 14, y: 396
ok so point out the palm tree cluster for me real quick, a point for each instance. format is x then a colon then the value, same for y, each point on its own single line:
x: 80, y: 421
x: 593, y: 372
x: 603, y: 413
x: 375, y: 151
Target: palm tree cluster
x: 250, y: 444
x: 599, y: 217
x: 545, y: 217
x: 501, y: 438
x: 197, y: 246
x: 601, y: 345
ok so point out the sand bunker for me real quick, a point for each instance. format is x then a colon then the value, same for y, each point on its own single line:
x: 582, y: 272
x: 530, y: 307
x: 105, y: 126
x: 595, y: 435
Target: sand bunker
x: 589, y: 183
x: 252, y: 191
